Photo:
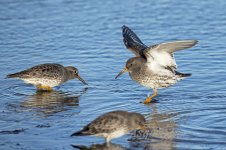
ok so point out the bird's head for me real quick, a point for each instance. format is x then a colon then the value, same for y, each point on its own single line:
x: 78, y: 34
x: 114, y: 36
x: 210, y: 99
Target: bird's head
x: 137, y: 121
x: 74, y: 73
x: 132, y: 64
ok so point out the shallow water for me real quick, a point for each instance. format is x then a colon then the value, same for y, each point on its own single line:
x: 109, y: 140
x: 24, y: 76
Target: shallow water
x: 189, y: 115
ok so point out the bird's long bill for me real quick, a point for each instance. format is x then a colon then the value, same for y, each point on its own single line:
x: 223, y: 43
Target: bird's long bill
x: 120, y: 73
x: 83, y: 81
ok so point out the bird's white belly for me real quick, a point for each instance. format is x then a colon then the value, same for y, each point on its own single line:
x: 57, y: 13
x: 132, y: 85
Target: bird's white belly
x: 37, y: 81
x: 163, y: 58
x: 117, y: 133
x: 112, y: 135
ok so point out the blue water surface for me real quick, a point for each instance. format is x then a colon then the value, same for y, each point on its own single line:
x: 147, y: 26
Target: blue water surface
x: 87, y: 35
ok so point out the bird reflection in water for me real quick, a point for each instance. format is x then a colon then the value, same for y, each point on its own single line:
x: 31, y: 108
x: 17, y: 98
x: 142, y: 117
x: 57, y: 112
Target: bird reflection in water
x: 49, y: 103
x: 104, y: 146
x: 160, y: 134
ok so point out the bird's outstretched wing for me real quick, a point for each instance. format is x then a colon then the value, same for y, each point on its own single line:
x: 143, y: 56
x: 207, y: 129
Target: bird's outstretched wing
x: 162, y: 53
x: 131, y: 41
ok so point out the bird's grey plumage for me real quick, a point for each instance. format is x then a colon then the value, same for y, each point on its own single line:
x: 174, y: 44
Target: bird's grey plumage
x: 47, y: 74
x: 113, y: 124
x: 49, y: 71
x: 154, y: 66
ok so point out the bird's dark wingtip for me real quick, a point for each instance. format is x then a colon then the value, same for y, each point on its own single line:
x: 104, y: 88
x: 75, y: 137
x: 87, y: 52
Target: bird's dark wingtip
x: 79, y: 133
x: 81, y: 147
x: 10, y: 76
x: 74, y: 134
x: 183, y: 74
x: 187, y: 74
x: 7, y: 76
x: 125, y: 29
x: 196, y: 42
x: 124, y: 26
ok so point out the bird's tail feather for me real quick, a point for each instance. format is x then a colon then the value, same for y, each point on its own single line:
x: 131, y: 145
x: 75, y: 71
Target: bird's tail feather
x: 80, y: 133
x: 21, y: 74
x: 182, y: 75
x: 81, y: 147
x: 14, y: 75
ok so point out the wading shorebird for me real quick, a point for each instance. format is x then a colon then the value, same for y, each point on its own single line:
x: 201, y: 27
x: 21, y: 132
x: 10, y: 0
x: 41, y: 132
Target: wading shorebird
x: 47, y: 76
x: 113, y: 124
x: 154, y: 66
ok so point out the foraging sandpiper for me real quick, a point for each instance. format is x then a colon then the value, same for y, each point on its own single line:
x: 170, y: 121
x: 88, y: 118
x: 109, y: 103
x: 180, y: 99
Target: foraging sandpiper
x: 154, y: 66
x: 47, y: 76
x: 113, y: 124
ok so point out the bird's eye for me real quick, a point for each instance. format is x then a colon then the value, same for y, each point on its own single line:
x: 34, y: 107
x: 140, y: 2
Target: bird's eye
x: 137, y: 122
x: 140, y: 122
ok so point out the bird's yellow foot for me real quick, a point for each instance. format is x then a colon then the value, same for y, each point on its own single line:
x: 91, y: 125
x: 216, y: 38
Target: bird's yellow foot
x: 148, y: 100
x: 44, y: 88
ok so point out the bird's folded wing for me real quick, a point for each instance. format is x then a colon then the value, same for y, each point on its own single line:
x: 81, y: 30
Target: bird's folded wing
x: 131, y: 41
x: 47, y: 71
x: 104, y: 124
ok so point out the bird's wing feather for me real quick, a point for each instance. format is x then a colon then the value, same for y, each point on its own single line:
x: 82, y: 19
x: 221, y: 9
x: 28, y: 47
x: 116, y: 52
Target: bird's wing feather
x: 174, y: 46
x: 46, y: 71
x: 163, y: 53
x: 131, y: 41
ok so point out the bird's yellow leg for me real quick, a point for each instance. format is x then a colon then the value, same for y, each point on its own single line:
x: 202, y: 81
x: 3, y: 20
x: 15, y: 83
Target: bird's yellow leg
x: 44, y: 88
x: 39, y: 87
x: 148, y: 99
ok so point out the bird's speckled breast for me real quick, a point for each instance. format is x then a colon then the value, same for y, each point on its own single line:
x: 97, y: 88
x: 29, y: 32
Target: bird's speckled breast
x: 151, y: 80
